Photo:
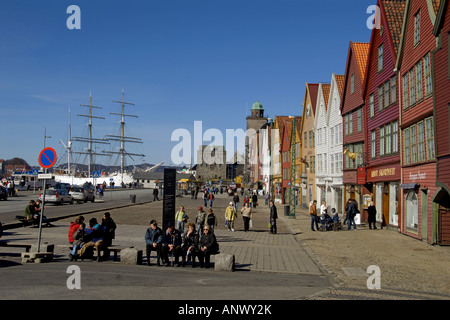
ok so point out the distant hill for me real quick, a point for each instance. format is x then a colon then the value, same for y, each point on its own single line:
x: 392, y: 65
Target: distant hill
x: 16, y: 163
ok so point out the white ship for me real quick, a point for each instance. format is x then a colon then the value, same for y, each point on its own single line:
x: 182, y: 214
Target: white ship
x: 118, y: 178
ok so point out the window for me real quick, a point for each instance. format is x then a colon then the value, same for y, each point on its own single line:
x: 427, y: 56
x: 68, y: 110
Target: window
x: 395, y: 137
x: 310, y: 139
x: 407, y: 149
x: 421, y: 142
x: 382, y: 141
x: 380, y: 98
x: 412, y: 210
x: 373, y: 145
x: 380, y: 58
x: 412, y: 88
x: 419, y: 80
x: 359, y: 154
x: 427, y: 65
x: 352, y: 83
x: 405, y: 91
x: 350, y: 123
x: 314, y: 135
x: 393, y: 89
x: 388, y: 133
x: 346, y: 124
x: 413, y: 132
x: 306, y: 139
x: 372, y: 107
x: 430, y: 138
x: 340, y: 133
x: 417, y: 29
x: 332, y: 136
x: 332, y: 163
x: 386, y: 94
x: 359, y: 119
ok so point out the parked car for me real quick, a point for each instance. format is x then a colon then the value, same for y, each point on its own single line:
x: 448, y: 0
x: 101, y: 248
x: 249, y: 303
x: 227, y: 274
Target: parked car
x: 81, y: 194
x: 3, y: 193
x: 62, y: 185
x: 57, y: 196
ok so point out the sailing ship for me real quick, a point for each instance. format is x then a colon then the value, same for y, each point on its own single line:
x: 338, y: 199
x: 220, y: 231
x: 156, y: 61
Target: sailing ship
x: 121, y: 177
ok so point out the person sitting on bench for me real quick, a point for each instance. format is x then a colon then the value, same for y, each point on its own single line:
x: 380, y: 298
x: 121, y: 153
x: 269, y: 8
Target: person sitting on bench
x: 207, y: 246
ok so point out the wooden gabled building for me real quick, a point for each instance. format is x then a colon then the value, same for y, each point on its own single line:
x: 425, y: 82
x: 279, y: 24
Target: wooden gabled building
x: 277, y: 134
x: 352, y: 108
x: 441, y: 78
x: 380, y: 91
x: 308, y: 144
x: 417, y: 121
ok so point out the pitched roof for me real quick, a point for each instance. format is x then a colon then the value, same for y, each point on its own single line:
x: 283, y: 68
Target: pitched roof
x: 436, y: 4
x: 394, y: 11
x: 340, y: 79
x: 313, y: 92
x: 326, y: 93
x: 361, y: 51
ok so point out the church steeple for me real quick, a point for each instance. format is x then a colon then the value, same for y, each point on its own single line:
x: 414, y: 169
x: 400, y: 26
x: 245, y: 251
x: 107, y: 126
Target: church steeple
x: 257, y: 110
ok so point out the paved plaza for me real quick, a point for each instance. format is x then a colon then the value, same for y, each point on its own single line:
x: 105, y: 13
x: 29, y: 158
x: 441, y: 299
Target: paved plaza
x: 410, y: 269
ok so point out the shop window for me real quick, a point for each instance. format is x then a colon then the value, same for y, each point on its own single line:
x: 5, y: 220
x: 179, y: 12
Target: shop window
x: 412, y: 211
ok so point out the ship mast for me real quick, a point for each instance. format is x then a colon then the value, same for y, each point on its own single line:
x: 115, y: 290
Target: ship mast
x: 122, y: 138
x: 91, y: 141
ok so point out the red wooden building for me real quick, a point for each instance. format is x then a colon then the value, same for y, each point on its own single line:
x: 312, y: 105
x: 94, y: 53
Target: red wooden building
x: 441, y: 67
x: 380, y: 91
x: 286, y: 161
x: 352, y: 109
x: 417, y: 119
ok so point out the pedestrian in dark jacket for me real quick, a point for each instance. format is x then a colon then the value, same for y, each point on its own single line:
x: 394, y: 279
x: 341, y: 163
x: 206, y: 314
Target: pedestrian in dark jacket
x: 153, y: 241
x: 207, y: 245
x: 372, y: 212
x: 273, y: 218
x: 109, y: 232
x: 190, y: 245
x: 171, y: 244
x: 351, y: 213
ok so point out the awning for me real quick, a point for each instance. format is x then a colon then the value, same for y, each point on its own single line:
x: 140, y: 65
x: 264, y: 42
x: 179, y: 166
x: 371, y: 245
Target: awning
x: 408, y: 186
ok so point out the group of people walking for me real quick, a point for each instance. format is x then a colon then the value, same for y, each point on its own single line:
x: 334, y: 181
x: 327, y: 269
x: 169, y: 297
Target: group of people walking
x: 351, y: 210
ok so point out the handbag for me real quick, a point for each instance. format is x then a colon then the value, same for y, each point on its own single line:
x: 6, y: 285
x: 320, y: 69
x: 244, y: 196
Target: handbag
x: 251, y: 223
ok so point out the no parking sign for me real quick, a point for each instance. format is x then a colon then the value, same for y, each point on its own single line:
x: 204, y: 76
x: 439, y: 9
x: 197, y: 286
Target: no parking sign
x: 47, y: 158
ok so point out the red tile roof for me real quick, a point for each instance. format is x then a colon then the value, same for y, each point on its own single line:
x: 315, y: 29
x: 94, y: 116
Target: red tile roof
x: 394, y: 11
x: 361, y: 51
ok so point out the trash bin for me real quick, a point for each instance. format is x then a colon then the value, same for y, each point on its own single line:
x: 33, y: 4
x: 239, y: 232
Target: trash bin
x: 286, y: 210
x: 133, y: 198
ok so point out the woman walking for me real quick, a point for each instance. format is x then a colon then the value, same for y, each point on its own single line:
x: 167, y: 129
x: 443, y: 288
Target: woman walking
x: 246, y: 215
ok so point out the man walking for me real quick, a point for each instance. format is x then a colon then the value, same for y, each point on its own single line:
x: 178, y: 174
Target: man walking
x: 155, y: 194
x: 313, y: 213
x: 236, y: 201
x: 273, y: 217
x: 351, y: 213
x: 230, y: 215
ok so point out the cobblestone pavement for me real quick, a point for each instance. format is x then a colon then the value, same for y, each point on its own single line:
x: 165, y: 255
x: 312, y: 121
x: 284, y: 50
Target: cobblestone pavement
x: 410, y: 269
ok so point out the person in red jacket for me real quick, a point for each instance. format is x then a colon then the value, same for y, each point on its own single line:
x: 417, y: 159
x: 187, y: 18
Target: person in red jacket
x: 74, y: 228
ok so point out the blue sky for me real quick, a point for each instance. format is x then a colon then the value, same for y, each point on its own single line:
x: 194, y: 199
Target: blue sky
x: 179, y: 61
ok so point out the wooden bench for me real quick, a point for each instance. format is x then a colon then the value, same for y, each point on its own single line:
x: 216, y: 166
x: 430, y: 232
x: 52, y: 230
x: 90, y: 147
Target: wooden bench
x: 26, y: 222
x: 27, y: 246
x: 114, y: 249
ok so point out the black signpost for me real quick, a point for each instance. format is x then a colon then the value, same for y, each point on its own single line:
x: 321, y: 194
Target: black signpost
x: 170, y: 188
